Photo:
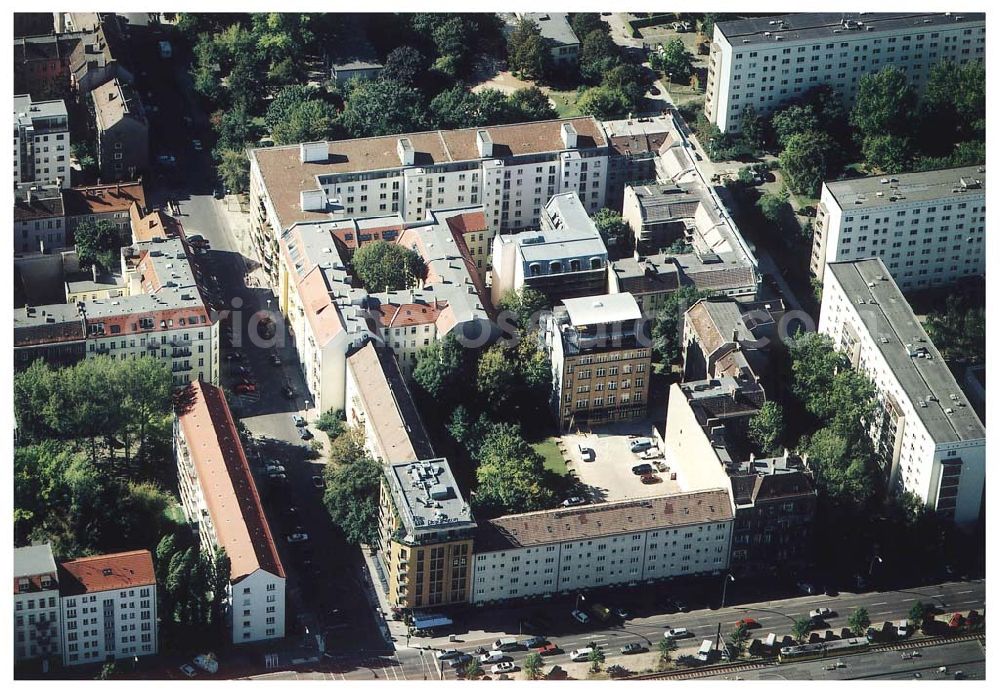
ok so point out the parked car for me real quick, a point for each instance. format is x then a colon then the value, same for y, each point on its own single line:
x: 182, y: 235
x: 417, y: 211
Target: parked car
x: 642, y: 469
x: 580, y: 616
x: 277, y: 476
x: 196, y: 144
x: 747, y: 623
x: 318, y: 482
x: 677, y: 632
x: 166, y: 159
x: 549, y: 649
x: 234, y: 356
x: 220, y: 192
x: 650, y: 479
x: 581, y: 654
x: 533, y: 642
x: 586, y: 453
x: 573, y: 502
x: 305, y: 434
x: 493, y: 657
x: 506, y: 644
x: 447, y: 654
x: 639, y: 445
x: 805, y: 587
x: 188, y: 670
x: 654, y: 90
x: 601, y: 611
x: 206, y: 662
x: 299, y: 420
x: 457, y: 660
x: 275, y: 469
x: 634, y: 648
x: 622, y: 613
x: 297, y: 537
x: 820, y: 614
x: 503, y: 667
x: 245, y: 388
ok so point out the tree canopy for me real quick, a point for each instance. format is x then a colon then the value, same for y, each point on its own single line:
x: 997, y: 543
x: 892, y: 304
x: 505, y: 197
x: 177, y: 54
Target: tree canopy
x: 675, y: 61
x: 383, y: 265
x: 99, y: 242
x: 382, y: 107
x: 352, y: 488
x: 669, y: 319
x: 805, y: 161
x: 527, y: 52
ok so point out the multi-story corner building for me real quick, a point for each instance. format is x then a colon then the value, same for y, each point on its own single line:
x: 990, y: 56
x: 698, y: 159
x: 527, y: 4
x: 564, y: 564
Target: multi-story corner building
x: 378, y: 400
x: 635, y: 145
x: 37, y: 616
x: 775, y: 503
x: 558, y: 34
x: 39, y: 218
x: 108, y: 607
x: 122, y: 131
x: 329, y: 316
x: 220, y: 499
x: 565, y: 258
x: 600, y: 365
x: 41, y: 141
x: 103, y: 202
x: 927, y: 227
x: 601, y: 545
x: 929, y: 440
x: 764, y: 62
x: 161, y: 313
x: 426, y: 535
x: 510, y: 171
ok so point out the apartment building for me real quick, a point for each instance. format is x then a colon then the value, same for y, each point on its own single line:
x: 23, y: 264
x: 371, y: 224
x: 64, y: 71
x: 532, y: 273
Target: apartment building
x: 561, y: 551
x: 122, y: 131
x: 558, y: 34
x: 329, y: 316
x: 426, y: 535
x: 39, y: 218
x: 635, y: 145
x: 103, y: 202
x: 927, y: 227
x: 929, y: 440
x: 50, y: 66
x: 600, y: 364
x: 565, y: 258
x: 108, y: 605
x: 723, y: 337
x: 510, y: 171
x: 379, y: 401
x: 161, y: 313
x: 220, y: 499
x: 41, y: 141
x: 764, y: 62
x: 37, y: 616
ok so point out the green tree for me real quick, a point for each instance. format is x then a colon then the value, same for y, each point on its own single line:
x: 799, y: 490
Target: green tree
x: 669, y: 320
x: 675, y: 61
x: 310, y: 121
x: 99, y: 242
x: 603, y: 102
x: 524, y: 305
x: 666, y: 646
x: 493, y: 107
x: 527, y: 53
x: 598, y: 54
x: 585, y: 22
x: 614, y: 230
x: 404, y: 64
x: 888, y: 153
x: 530, y: 104
x: 766, y: 428
x: 805, y: 161
x: 801, y: 629
x: 454, y: 37
x: 332, y: 422
x: 234, y: 170
x: 510, y: 475
x: 918, y: 611
x: 884, y: 105
x: 382, y: 107
x: 794, y: 119
x: 352, y: 489
x: 383, y: 266
x: 631, y: 80
x: 707, y: 23
x: 532, y: 666
x: 443, y: 370
x: 455, y: 107
x: 285, y: 103
x: 596, y: 659
x: 859, y: 620
x: 959, y: 332
x: 752, y: 127
x: 473, y: 670
x: 953, y: 104
x: 738, y: 640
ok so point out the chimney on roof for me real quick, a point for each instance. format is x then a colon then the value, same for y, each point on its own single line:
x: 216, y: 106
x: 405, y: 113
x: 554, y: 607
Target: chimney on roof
x: 404, y: 148
x: 736, y: 334
x: 484, y: 143
x: 118, y: 189
x: 568, y: 133
x: 314, y: 151
x: 312, y: 201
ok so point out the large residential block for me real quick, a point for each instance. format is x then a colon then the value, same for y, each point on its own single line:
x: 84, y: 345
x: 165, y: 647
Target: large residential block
x: 602, y: 545
x: 220, y: 499
x: 37, y: 614
x: 39, y: 218
x: 108, y: 605
x: 426, y: 533
x: 929, y: 440
x: 565, y: 258
x: 764, y: 62
x: 927, y: 227
x: 122, y: 131
x: 104, y: 202
x: 41, y: 141
x: 600, y: 364
x: 511, y: 171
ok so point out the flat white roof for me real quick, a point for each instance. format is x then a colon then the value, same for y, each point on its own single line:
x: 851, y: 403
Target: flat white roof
x: 604, y: 308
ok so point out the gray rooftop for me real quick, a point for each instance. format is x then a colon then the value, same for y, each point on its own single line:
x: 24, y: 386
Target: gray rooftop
x: 43, y: 315
x: 665, y: 203
x: 602, y: 309
x: 33, y: 560
x: 427, y: 497
x: 27, y: 111
x: 818, y: 26
x: 880, y: 191
x: 897, y: 334
x: 566, y: 232
x: 554, y: 26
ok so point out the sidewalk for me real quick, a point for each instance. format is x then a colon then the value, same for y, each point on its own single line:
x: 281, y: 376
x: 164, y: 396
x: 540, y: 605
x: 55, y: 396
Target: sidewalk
x: 396, y: 632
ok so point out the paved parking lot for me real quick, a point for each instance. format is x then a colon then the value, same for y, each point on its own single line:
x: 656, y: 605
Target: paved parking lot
x: 609, y: 476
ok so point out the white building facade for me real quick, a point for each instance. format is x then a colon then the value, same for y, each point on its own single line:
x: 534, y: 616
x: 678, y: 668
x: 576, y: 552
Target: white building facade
x: 41, y: 141
x: 927, y: 227
x: 37, y: 616
x: 929, y: 440
x: 763, y: 62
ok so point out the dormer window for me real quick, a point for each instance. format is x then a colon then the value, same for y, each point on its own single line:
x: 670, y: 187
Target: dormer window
x: 534, y: 269
x: 555, y: 267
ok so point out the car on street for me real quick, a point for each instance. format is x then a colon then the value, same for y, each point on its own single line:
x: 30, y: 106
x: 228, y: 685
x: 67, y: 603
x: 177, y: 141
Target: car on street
x: 318, y: 482
x: 572, y: 502
x: 549, y: 649
x: 493, y: 657
x: 245, y: 388
x: 532, y: 642
x: 581, y: 654
x: 637, y: 446
x: 288, y: 392
x: 503, y: 667
x: 277, y: 476
x: 677, y: 632
x: 747, y: 623
x: 299, y: 420
x: 275, y: 469
x: 297, y: 537
x: 447, y: 654
x: 633, y: 648
x: 188, y: 670
x: 820, y: 614
x: 622, y: 613
x: 305, y: 434
x: 580, y: 616
x: 650, y: 479
x: 196, y: 144
x: 244, y: 370
x: 654, y: 91
x: 290, y: 512
x: 166, y: 159
x: 642, y: 469
x: 457, y: 660
x: 234, y: 356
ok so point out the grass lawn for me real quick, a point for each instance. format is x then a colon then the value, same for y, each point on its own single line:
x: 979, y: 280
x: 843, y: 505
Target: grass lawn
x: 565, y: 102
x: 549, y: 450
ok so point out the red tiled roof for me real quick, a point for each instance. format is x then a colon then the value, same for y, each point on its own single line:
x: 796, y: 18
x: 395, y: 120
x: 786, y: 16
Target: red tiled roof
x: 227, y: 483
x: 154, y: 224
x: 396, y: 315
x: 468, y: 222
x: 103, y: 199
x: 88, y: 575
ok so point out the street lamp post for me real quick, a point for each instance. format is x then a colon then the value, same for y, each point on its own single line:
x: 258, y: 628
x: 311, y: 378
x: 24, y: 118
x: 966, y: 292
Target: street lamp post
x: 871, y: 565
x: 725, y: 585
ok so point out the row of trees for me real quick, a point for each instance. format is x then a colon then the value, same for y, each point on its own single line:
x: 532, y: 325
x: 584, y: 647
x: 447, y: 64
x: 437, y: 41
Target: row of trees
x: 352, y: 487
x: 193, y: 586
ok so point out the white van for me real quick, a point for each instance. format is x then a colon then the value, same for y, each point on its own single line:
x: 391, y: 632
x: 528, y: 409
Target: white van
x: 493, y: 657
x: 581, y: 654
x: 506, y: 644
x: 704, y: 651
x: 637, y: 446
